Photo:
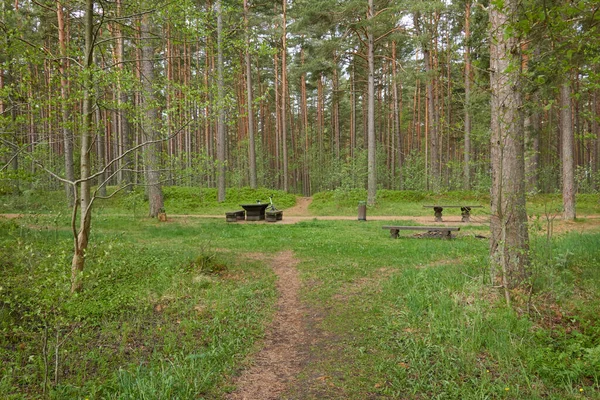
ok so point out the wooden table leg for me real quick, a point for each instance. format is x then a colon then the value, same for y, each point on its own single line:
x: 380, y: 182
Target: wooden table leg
x: 466, y: 214
x: 438, y: 213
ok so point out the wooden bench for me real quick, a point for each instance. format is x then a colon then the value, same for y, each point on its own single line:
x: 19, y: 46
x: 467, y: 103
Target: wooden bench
x: 394, y: 230
x: 234, y: 216
x: 273, y: 216
x: 465, y: 211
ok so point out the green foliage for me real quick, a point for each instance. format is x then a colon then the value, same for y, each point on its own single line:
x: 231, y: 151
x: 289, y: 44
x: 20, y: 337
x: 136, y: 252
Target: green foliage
x: 186, y: 199
x: 169, y: 310
x: 146, y: 311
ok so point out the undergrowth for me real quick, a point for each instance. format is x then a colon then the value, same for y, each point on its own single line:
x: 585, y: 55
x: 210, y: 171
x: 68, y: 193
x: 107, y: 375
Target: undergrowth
x: 170, y: 310
x: 156, y: 319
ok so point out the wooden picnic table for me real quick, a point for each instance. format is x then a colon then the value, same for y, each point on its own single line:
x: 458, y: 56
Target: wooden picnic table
x: 255, y: 211
x: 464, y: 210
x: 445, y: 230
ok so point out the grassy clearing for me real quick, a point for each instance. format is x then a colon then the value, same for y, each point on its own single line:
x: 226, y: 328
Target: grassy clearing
x: 415, y: 318
x: 344, y: 202
x: 162, y: 316
x: 170, y: 310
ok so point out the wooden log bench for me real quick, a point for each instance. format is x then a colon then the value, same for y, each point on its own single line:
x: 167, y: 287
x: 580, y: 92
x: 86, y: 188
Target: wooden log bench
x: 234, y: 216
x: 465, y: 212
x: 445, y: 230
x: 273, y: 215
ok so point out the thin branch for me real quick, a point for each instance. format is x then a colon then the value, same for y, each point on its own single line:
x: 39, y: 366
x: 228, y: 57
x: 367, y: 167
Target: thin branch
x: 114, y: 160
x: 396, y: 29
x: 74, y: 218
x: 115, y: 192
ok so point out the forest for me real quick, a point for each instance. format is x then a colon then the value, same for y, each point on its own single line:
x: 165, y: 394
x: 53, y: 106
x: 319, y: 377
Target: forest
x: 106, y: 82
x: 116, y: 114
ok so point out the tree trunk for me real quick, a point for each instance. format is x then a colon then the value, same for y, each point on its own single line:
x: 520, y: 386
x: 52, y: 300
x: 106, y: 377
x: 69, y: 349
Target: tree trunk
x: 352, y: 112
x: 221, y: 135
x: 283, y: 99
x: 467, y: 127
x: 250, y: 108
x: 65, y: 115
x: 335, y: 110
x: 101, y: 153
x: 533, y: 145
x: 509, y: 244
x: 433, y: 141
x: 596, y: 131
x: 275, y: 164
x: 371, y: 148
x: 150, y: 121
x: 82, y: 236
x: 396, y: 117
x: 304, y: 106
x: 568, y: 175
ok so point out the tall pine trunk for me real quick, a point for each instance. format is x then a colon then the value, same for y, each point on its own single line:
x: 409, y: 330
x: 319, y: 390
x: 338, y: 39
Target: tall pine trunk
x: 65, y: 114
x: 284, y: 98
x: 251, y: 148
x: 568, y: 173
x: 509, y: 243
x: 150, y: 121
x: 371, y: 148
x: 467, y: 127
x: 221, y: 135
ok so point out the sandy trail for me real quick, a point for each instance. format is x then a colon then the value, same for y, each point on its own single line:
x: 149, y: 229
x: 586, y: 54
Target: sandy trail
x: 275, y: 367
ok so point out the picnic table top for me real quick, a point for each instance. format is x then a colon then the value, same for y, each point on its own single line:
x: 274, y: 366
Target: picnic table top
x: 255, y: 205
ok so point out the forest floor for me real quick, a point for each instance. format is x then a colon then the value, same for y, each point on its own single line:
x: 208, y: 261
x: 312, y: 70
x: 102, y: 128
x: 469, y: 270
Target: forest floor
x: 285, y: 368
x: 294, y: 358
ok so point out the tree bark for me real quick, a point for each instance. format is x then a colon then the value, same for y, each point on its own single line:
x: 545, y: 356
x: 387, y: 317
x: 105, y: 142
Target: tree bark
x: 568, y: 173
x: 283, y: 99
x: 150, y: 121
x: 509, y: 244
x: 431, y: 133
x: 304, y: 106
x: 81, y: 237
x: 396, y: 117
x: 221, y: 135
x: 101, y: 153
x: 371, y: 148
x: 596, y: 131
x: 251, y: 148
x: 65, y: 115
x: 467, y: 127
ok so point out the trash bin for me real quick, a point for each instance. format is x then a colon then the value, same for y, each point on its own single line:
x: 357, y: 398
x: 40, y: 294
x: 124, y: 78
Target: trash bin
x: 362, y: 210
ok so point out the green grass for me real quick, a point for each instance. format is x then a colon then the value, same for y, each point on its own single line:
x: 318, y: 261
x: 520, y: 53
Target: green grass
x: 154, y: 320
x: 389, y: 202
x: 170, y: 310
x: 189, y: 200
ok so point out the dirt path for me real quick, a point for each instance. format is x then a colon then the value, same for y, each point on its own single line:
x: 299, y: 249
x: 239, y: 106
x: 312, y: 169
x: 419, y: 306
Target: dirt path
x: 301, y: 207
x: 276, y: 366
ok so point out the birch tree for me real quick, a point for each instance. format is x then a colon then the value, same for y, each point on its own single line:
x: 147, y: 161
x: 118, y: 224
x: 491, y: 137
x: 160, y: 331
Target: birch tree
x: 85, y: 200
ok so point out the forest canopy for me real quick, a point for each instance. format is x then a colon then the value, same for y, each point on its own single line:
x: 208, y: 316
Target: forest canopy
x: 303, y: 66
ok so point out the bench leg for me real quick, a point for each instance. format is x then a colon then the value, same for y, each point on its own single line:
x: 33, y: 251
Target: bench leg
x: 438, y: 213
x: 466, y: 214
x: 448, y: 235
x: 394, y: 233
